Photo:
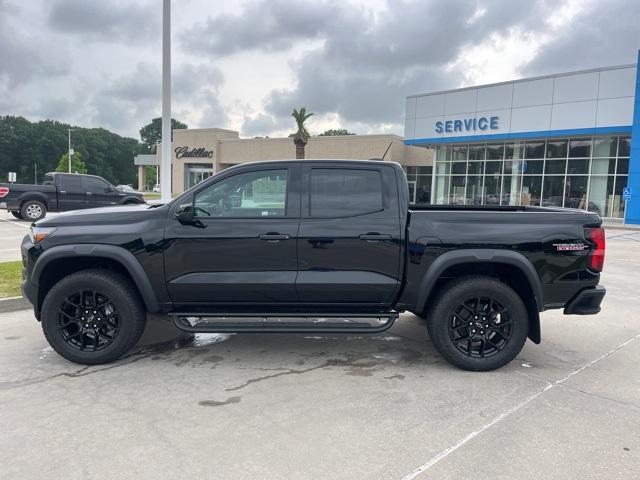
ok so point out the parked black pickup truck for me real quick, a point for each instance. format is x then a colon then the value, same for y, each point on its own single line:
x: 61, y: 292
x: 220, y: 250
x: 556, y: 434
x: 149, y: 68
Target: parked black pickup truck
x: 311, y: 246
x: 62, y: 192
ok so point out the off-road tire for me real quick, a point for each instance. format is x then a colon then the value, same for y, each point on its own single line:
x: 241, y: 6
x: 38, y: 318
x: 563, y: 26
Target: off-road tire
x: 442, y: 320
x: 124, y: 300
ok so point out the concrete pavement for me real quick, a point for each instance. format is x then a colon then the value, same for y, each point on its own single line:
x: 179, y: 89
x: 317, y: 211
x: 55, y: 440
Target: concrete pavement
x: 333, y: 406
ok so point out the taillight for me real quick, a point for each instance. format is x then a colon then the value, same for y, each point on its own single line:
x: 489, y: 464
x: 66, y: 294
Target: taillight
x: 596, y: 256
x: 3, y: 191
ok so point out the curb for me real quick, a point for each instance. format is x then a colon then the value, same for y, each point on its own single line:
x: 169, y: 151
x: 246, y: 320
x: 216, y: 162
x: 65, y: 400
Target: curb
x: 14, y: 304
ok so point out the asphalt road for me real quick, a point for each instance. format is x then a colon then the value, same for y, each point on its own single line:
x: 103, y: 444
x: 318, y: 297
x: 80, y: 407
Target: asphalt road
x: 331, y: 406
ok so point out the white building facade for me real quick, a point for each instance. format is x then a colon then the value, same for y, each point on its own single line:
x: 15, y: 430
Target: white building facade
x: 561, y: 140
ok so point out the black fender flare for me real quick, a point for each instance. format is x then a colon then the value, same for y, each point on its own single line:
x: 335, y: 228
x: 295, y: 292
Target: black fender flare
x: 477, y: 255
x: 112, y: 252
x: 27, y: 196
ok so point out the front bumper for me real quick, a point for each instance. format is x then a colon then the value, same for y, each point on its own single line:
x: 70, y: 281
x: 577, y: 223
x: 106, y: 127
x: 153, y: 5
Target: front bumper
x: 586, y: 302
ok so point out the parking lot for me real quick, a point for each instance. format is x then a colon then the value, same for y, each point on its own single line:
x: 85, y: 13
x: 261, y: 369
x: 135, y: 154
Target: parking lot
x: 331, y: 406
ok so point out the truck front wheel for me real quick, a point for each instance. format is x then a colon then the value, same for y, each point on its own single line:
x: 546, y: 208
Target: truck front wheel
x: 93, y: 316
x: 478, y: 323
x: 33, y: 210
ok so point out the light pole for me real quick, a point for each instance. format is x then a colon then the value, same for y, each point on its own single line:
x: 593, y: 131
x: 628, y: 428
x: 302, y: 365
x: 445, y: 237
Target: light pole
x: 70, y: 151
x: 165, y: 163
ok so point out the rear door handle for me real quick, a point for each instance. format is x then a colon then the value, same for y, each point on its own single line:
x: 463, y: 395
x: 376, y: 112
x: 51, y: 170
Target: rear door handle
x: 374, y: 237
x: 274, y: 237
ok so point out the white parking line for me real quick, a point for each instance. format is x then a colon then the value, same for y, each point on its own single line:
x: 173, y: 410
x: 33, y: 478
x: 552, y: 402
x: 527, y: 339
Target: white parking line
x: 15, y: 223
x: 447, y: 451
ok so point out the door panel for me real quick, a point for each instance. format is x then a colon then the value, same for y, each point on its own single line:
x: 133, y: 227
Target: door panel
x: 349, y: 240
x: 99, y: 193
x: 245, y: 251
x: 70, y: 192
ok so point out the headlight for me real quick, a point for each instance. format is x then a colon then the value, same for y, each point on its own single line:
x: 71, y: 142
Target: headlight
x: 36, y: 234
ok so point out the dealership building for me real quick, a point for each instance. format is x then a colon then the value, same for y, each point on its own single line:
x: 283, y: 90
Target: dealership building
x: 561, y: 140
x: 197, y: 154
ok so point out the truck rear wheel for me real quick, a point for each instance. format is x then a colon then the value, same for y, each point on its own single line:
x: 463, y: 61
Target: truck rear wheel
x: 33, y: 210
x: 93, y: 316
x: 478, y: 323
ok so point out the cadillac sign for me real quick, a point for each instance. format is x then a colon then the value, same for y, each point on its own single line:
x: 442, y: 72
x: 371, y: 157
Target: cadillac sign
x: 184, y: 152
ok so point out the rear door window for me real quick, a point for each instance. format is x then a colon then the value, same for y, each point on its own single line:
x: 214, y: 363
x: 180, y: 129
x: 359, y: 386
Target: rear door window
x: 341, y: 192
x: 70, y: 183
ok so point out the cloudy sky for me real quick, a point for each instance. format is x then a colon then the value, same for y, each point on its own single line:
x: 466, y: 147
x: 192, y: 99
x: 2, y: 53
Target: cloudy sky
x: 245, y: 65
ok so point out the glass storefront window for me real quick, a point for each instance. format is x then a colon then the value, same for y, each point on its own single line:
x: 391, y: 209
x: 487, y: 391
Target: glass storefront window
x: 555, y: 167
x: 459, y: 153
x: 605, y: 147
x: 441, y: 153
x: 532, y: 167
x: 557, y: 149
x: 493, y: 168
x: 476, y: 152
x: 587, y: 173
x: 474, y: 190
x: 514, y: 150
x: 511, y: 189
x: 600, y: 195
x: 603, y: 166
x: 531, y: 190
x: 195, y: 173
x: 578, y: 167
x: 618, y: 201
x: 580, y: 148
x: 534, y: 150
x: 624, y: 147
x: 475, y: 168
x: 458, y: 168
x: 553, y: 191
x: 575, y: 192
x: 441, y: 194
x: 492, y: 190
x: 495, y: 152
x: 623, y: 166
x: 456, y: 191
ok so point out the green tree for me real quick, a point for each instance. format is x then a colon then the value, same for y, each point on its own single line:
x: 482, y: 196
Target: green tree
x: 77, y: 165
x: 151, y: 133
x: 34, y: 148
x: 301, y: 137
x: 333, y: 132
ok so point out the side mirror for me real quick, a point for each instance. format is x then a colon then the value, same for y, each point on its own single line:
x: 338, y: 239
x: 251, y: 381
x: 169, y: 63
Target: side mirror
x: 109, y: 189
x: 185, y: 214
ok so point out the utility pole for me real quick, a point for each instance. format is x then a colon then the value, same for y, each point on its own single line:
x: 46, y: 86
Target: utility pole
x: 69, y: 153
x: 165, y: 162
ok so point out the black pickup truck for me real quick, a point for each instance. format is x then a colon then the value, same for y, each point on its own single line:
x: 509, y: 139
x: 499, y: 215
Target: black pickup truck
x: 311, y: 246
x: 62, y: 192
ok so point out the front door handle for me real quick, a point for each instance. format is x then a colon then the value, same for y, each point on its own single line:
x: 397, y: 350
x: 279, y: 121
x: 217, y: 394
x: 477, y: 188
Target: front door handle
x: 274, y: 237
x: 374, y: 237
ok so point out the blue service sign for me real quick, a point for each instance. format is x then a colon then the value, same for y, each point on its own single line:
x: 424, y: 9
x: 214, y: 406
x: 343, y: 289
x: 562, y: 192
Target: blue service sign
x: 626, y: 193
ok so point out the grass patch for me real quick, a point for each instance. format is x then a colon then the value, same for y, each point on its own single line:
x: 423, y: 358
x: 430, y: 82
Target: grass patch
x: 152, y: 196
x: 10, y: 278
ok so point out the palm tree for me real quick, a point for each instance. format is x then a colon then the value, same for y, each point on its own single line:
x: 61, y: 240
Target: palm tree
x: 301, y: 137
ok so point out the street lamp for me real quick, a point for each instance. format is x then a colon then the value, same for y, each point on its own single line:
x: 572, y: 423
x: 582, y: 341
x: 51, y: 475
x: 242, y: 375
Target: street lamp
x: 165, y: 159
x: 70, y: 152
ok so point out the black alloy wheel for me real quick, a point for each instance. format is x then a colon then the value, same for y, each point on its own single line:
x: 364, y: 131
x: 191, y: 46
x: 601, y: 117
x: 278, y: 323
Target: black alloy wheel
x: 480, y: 327
x: 93, y: 316
x: 88, y: 320
x: 477, y: 323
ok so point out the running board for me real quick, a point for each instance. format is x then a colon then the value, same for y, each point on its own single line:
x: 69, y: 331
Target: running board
x: 284, y: 322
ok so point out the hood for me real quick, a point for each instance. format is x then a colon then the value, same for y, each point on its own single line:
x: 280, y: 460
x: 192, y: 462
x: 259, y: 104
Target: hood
x: 105, y: 215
